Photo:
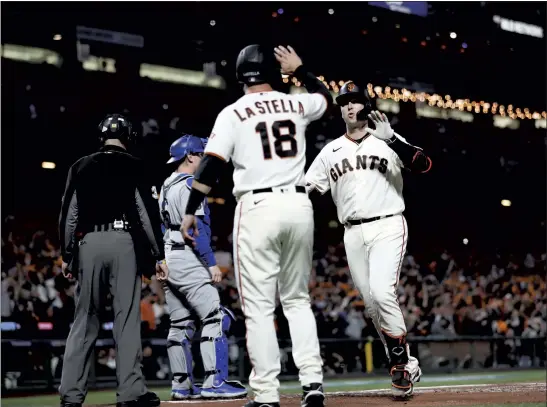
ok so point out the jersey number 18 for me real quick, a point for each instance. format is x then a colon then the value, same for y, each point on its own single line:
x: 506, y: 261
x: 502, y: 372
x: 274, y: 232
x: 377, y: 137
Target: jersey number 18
x: 262, y: 129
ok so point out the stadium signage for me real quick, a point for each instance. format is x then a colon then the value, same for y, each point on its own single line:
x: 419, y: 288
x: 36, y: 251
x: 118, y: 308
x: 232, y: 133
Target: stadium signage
x: 518, y: 27
x: 418, y: 8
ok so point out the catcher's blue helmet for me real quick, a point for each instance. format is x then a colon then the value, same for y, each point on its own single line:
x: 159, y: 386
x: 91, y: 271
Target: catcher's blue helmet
x: 185, y: 145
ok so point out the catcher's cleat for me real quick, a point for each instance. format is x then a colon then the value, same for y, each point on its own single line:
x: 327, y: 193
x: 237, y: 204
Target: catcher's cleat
x: 228, y: 389
x: 184, y: 394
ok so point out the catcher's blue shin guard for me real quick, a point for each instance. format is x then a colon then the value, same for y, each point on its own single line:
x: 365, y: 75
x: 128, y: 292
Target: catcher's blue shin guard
x: 215, y: 354
x: 179, y: 350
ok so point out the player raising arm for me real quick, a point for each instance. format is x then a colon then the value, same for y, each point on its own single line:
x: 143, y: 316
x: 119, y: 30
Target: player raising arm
x: 263, y: 133
x: 363, y: 169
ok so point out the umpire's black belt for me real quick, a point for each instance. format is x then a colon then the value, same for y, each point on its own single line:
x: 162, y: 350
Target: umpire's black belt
x: 298, y: 188
x: 108, y: 227
x: 354, y: 222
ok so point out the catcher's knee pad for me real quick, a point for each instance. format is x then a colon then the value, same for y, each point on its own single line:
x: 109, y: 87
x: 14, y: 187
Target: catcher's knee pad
x: 179, y: 348
x: 214, y: 344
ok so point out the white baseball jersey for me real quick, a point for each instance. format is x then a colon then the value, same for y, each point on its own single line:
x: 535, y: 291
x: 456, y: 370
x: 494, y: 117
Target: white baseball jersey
x: 364, y: 178
x: 264, y: 135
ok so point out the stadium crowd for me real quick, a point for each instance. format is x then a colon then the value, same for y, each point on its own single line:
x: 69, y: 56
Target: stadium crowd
x: 444, y: 295
x: 494, y: 288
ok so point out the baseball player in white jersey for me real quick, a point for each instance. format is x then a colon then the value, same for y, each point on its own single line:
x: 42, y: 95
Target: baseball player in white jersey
x: 363, y: 170
x: 263, y: 133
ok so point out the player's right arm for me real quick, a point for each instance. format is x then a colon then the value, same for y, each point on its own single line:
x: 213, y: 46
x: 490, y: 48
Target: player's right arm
x: 318, y: 100
x: 317, y: 178
x: 68, y: 218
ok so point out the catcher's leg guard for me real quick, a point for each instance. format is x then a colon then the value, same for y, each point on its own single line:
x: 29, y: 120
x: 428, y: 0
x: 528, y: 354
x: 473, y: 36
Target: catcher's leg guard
x: 214, y: 352
x: 179, y: 350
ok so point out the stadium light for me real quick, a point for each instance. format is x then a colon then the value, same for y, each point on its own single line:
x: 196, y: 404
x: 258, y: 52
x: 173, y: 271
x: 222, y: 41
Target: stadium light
x: 465, y: 240
x: 453, y: 35
x: 57, y: 37
x: 48, y: 165
x: 505, y: 202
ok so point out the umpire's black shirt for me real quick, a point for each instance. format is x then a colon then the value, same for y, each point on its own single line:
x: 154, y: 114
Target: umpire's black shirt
x: 106, y: 186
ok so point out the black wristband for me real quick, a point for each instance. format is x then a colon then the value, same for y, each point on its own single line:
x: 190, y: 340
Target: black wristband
x: 300, y: 73
x: 310, y: 82
x: 403, y: 150
x: 194, y: 201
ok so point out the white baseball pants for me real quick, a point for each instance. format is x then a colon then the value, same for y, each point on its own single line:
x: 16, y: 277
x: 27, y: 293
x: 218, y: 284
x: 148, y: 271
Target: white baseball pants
x: 375, y: 253
x: 273, y: 242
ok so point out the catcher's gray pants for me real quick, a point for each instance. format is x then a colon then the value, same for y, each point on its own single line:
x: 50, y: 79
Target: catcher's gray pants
x: 107, y: 263
x: 189, y: 290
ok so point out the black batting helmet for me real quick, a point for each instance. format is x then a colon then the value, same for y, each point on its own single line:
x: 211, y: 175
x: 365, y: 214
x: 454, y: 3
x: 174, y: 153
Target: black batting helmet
x: 116, y: 126
x: 350, y: 92
x: 255, y: 65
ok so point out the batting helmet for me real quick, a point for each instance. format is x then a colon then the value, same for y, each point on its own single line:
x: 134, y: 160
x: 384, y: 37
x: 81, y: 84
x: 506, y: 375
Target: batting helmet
x: 349, y: 92
x: 255, y: 65
x: 116, y: 126
x: 186, y: 145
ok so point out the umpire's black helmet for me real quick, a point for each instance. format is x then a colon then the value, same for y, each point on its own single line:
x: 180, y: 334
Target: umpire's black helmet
x: 255, y: 65
x: 116, y: 126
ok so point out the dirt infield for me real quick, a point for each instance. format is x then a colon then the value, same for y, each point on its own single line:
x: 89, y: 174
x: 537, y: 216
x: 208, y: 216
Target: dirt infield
x: 458, y: 395
x: 466, y: 395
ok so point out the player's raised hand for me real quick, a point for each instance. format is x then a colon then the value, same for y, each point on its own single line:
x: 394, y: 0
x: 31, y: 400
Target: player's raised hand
x: 383, y: 129
x: 189, y: 221
x: 287, y: 58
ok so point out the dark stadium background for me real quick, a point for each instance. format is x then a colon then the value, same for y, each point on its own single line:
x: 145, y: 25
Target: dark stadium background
x: 51, y: 113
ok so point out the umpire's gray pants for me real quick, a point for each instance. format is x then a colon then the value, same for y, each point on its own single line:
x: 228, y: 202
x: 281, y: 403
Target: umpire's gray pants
x: 107, y: 263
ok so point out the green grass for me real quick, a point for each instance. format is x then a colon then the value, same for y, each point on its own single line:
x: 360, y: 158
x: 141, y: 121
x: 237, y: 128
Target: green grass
x: 365, y: 383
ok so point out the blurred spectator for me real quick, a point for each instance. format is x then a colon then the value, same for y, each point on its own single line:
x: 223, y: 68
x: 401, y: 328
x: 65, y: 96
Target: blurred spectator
x: 444, y: 295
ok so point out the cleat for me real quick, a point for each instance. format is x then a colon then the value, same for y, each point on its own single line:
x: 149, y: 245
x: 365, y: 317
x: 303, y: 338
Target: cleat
x: 186, y: 394
x: 313, y: 395
x: 259, y: 404
x: 402, y: 384
x: 227, y: 390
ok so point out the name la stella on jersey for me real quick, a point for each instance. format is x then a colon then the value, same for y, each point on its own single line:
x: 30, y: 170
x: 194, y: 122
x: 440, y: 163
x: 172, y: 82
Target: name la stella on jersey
x: 269, y: 107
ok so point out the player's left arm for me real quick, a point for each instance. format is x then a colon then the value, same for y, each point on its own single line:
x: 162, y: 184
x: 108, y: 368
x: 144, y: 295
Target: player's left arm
x: 203, y: 243
x: 412, y: 157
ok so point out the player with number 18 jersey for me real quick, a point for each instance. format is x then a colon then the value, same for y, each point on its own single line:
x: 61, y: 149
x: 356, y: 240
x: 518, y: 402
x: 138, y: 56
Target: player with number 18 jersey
x: 264, y: 135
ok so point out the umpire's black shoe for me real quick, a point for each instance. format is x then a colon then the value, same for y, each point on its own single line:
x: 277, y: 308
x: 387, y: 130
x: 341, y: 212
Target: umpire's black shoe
x: 253, y: 403
x: 313, y: 395
x: 69, y: 404
x: 146, y: 400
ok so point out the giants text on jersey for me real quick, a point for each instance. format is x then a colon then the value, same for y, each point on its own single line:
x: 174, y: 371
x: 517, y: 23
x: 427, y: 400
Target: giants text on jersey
x: 364, y: 178
x: 264, y: 135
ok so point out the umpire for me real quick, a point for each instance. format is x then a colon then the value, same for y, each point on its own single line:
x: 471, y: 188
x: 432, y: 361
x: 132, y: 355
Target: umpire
x: 109, y: 229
